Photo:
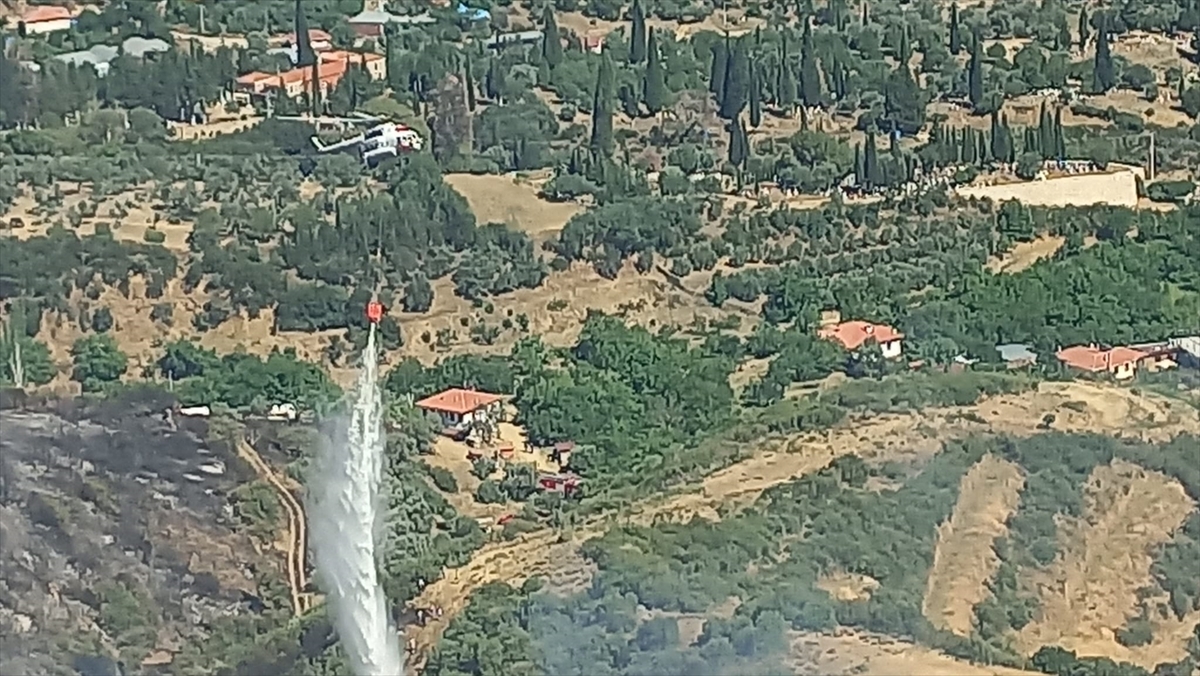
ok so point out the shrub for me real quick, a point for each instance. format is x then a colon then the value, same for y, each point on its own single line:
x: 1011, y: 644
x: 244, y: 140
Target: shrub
x: 443, y: 479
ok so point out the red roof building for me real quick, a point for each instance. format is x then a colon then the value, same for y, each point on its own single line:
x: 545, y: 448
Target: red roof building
x: 854, y: 334
x: 1120, y: 362
x: 459, y: 407
x: 332, y: 68
x: 318, y: 39
x: 41, y: 19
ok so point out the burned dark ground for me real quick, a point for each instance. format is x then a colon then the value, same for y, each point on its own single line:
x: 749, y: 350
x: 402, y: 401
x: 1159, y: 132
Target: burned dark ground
x: 118, y: 538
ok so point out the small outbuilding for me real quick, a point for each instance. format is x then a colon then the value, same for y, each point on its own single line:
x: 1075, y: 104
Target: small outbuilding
x: 1016, y: 355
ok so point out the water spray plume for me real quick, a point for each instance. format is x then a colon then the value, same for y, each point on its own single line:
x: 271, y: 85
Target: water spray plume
x: 343, y: 519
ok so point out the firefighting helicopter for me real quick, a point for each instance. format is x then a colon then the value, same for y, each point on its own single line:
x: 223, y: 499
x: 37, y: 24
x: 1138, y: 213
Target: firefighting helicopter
x: 377, y: 143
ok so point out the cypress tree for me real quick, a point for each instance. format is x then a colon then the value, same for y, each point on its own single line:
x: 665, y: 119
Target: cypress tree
x: 859, y: 177
x: 810, y: 75
x: 955, y: 37
x: 637, y: 34
x: 494, y: 81
x: 389, y: 56
x: 999, y: 150
x: 552, y: 50
x: 1084, y: 28
x: 1063, y: 40
x: 1008, y: 139
x: 866, y: 14
x: 305, y: 56
x: 786, y: 97
x: 840, y: 73
x: 1060, y: 140
x: 785, y: 57
x: 1046, y: 141
x: 840, y: 18
x: 970, y: 154
x: 602, y: 105
x: 755, y: 97
x: 803, y: 118
x: 737, y: 143
x: 654, y: 85
x: 716, y: 74
x: 982, y: 149
x: 315, y: 96
x: 904, y: 53
x: 469, y: 82
x: 975, y: 72
x: 630, y: 103
x: 871, y: 170
x: 1104, y: 76
x: 737, y: 81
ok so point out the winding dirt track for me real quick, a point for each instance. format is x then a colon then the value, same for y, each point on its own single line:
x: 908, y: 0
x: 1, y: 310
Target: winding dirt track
x: 297, y: 536
x: 1098, y: 408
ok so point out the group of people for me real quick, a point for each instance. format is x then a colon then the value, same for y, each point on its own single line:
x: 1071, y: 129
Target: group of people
x: 423, y: 617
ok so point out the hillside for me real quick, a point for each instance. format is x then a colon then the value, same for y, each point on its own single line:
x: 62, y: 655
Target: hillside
x: 124, y: 537
x: 643, y: 559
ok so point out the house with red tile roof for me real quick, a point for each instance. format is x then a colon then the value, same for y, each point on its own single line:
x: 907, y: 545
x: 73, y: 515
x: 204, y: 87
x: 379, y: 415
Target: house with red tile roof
x: 318, y: 39
x: 292, y: 83
x: 853, y: 335
x: 1119, y: 362
x: 43, y: 19
x: 458, y: 408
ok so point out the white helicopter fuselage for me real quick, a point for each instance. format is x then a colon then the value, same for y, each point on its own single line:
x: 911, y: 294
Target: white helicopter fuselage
x: 384, y: 140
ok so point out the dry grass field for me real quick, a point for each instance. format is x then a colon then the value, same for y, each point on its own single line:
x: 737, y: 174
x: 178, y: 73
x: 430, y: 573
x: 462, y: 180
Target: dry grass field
x: 1117, y: 188
x: 1092, y: 589
x: 514, y: 202
x: 964, y: 560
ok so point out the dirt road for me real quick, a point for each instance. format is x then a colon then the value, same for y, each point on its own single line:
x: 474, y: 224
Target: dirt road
x: 1078, y: 407
x: 296, y: 545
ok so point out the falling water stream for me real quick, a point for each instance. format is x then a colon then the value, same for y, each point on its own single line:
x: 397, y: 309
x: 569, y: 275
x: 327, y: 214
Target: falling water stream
x: 343, y: 520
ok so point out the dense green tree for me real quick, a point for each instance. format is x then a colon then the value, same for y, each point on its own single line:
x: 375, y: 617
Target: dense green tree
x: 305, y: 56
x: 975, y: 87
x: 904, y: 102
x: 97, y: 362
x: 716, y: 73
x: 811, y: 89
x: 469, y: 82
x: 755, y: 97
x: 871, y: 168
x: 786, y: 94
x: 1104, y: 75
x: 655, y: 94
x: 738, y: 152
x: 23, y: 360
x: 602, y: 109
x: 496, y: 80
x: 418, y: 294
x: 736, y: 91
x: 637, y: 33
x: 955, y: 37
x: 552, y: 50
x: 1084, y: 28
